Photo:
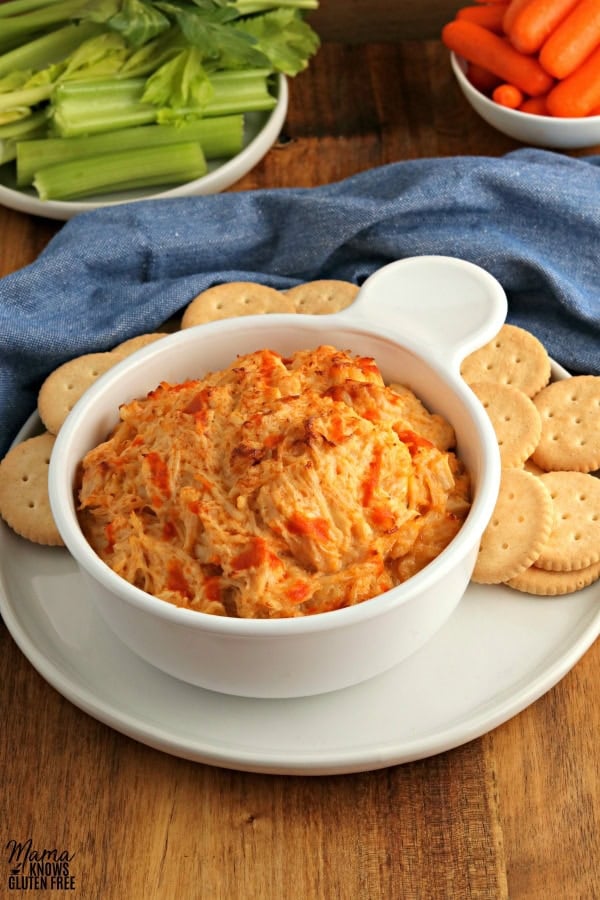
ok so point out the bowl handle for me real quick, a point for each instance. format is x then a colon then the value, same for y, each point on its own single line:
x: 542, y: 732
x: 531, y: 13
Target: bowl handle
x: 448, y: 306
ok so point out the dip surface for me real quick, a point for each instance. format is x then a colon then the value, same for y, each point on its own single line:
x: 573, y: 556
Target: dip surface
x: 277, y: 487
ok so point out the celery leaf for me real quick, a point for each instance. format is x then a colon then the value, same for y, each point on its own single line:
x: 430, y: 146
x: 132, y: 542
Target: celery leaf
x: 97, y: 57
x: 97, y: 11
x: 147, y: 59
x: 284, y: 38
x: 139, y: 22
x: 222, y: 44
x: 181, y: 82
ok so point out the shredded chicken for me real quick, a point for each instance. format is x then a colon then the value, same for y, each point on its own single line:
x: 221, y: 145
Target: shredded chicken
x: 277, y: 487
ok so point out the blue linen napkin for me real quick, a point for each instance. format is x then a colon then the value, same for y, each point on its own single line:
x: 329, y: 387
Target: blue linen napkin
x: 531, y: 218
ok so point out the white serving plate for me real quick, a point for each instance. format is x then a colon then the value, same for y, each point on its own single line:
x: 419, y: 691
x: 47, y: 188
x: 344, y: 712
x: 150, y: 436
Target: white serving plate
x: 498, y: 653
x: 261, y: 132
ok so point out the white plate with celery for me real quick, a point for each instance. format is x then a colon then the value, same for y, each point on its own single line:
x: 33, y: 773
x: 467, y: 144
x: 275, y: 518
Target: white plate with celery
x: 109, y: 101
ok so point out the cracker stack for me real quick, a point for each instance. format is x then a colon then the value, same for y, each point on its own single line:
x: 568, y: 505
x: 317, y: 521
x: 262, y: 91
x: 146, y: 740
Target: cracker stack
x: 544, y: 535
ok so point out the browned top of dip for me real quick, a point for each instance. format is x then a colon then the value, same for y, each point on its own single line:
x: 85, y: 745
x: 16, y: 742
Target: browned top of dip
x: 277, y: 487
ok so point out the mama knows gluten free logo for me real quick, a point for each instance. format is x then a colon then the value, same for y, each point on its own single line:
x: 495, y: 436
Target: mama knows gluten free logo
x: 32, y: 869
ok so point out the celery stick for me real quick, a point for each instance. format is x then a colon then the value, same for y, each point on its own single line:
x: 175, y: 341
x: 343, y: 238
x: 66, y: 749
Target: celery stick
x: 25, y: 97
x: 220, y: 137
x: 102, y: 120
x: 240, y: 91
x: 29, y: 127
x: 18, y: 7
x: 48, y: 49
x: 126, y: 170
x: 8, y: 145
x: 247, y: 7
x: 90, y: 107
x: 24, y: 126
x: 34, y: 22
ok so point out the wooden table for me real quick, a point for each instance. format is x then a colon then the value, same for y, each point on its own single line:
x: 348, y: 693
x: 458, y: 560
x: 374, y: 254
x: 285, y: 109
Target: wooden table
x: 514, y: 814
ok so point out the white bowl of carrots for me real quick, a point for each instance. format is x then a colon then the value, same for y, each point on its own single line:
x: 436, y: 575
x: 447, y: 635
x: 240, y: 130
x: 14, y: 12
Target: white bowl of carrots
x: 531, y: 68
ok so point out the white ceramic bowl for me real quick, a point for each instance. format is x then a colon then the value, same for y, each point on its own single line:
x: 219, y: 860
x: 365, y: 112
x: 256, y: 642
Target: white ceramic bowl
x: 541, y: 131
x: 261, y: 130
x: 418, y: 318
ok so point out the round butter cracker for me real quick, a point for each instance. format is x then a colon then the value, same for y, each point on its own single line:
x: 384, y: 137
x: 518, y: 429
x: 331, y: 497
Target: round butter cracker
x: 323, y: 296
x: 553, y: 584
x: 235, y: 298
x: 24, y: 501
x: 515, y: 357
x: 574, y: 542
x: 518, y: 529
x: 570, y: 414
x: 514, y: 418
x: 64, y: 386
x: 530, y: 466
x: 126, y: 348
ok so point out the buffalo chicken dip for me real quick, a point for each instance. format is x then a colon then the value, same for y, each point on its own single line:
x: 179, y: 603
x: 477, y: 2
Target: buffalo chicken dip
x: 278, y: 487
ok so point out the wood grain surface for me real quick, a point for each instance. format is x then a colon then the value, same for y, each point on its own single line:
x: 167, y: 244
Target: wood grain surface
x: 364, y: 21
x: 514, y: 814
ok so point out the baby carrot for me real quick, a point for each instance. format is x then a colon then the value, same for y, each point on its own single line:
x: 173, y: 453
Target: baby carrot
x: 513, y: 10
x: 573, y: 40
x: 535, y: 22
x: 478, y: 45
x: 578, y: 94
x: 507, y: 95
x: 490, y: 16
x: 482, y: 79
x: 536, y: 105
